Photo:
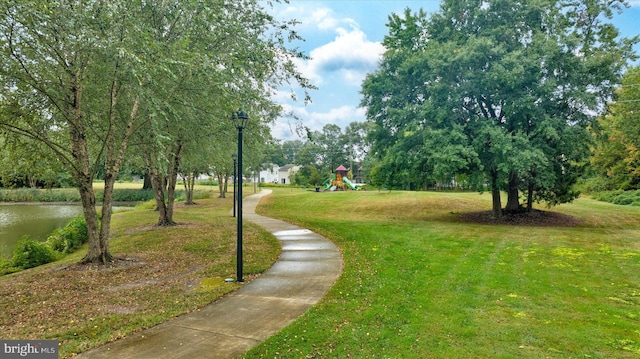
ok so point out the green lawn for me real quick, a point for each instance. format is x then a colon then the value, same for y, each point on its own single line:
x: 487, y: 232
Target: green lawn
x: 170, y: 271
x: 418, y: 283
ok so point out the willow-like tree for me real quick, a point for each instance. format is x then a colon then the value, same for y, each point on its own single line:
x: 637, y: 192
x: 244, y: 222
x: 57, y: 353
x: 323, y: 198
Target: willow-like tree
x: 83, y: 77
x: 237, y: 57
x: 71, y: 78
x: 501, y: 90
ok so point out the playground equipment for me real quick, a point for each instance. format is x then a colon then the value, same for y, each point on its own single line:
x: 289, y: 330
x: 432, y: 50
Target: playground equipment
x: 349, y: 183
x: 338, y: 180
x: 327, y: 183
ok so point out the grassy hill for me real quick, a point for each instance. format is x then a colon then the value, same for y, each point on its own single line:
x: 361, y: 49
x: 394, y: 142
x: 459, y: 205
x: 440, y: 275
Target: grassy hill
x: 419, y: 282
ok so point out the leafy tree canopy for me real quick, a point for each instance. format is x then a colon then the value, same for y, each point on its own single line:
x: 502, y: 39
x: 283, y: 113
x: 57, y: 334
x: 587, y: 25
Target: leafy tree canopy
x: 498, y: 88
x: 617, y: 151
x: 90, y: 78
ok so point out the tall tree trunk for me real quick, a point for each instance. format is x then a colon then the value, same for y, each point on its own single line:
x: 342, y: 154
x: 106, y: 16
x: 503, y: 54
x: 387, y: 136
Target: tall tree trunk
x: 513, y: 199
x: 172, y: 180
x: 530, y: 197
x: 147, y: 181
x: 164, y: 188
x: 189, y: 185
x: 495, y: 196
x: 107, y: 211
x: 97, y: 252
x: 114, y: 160
x: 158, y: 185
x: 222, y: 185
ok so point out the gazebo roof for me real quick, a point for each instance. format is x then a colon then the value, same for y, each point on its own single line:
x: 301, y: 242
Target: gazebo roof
x: 341, y: 168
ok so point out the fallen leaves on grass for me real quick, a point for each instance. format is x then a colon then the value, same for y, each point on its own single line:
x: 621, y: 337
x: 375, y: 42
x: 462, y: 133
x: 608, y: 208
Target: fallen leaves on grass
x: 157, y: 275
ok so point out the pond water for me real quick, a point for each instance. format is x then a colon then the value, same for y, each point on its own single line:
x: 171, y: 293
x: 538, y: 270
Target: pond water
x: 35, y: 220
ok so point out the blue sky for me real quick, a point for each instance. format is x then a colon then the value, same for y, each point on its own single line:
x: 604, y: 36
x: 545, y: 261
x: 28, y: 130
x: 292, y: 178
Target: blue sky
x: 343, y: 38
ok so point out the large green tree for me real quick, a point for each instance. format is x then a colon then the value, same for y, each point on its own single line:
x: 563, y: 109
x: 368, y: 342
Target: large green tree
x: 499, y: 89
x: 331, y: 147
x: 25, y: 162
x: 71, y: 79
x: 617, y: 152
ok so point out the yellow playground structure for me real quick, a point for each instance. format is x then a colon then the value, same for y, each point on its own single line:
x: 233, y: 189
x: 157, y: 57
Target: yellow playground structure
x: 339, y: 181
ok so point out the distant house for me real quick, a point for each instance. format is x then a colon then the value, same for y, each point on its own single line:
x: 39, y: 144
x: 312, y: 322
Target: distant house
x: 358, y: 174
x: 286, y: 173
x: 270, y: 174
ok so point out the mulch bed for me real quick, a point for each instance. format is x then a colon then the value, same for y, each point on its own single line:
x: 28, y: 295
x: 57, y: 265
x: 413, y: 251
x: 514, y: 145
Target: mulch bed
x: 535, y: 218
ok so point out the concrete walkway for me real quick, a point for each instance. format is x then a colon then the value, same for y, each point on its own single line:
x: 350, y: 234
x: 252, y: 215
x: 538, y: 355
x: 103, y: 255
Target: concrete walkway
x: 308, y: 266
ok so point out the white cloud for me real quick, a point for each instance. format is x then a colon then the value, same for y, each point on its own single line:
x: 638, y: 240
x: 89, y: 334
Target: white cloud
x: 324, y: 19
x: 337, y: 115
x: 347, y: 59
x: 340, y: 57
x: 309, y: 70
x: 311, y: 15
x: 350, y: 54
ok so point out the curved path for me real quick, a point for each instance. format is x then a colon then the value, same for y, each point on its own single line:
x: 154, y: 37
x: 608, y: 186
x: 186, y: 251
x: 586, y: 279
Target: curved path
x: 308, y: 266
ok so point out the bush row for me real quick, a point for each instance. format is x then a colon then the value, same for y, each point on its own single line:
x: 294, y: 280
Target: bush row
x: 39, y: 195
x: 29, y: 253
x: 69, y: 195
x: 208, y: 182
x: 619, y: 197
x: 72, y: 195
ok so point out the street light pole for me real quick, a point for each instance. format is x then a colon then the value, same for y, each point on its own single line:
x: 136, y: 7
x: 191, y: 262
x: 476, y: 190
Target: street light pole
x: 240, y: 120
x: 235, y: 159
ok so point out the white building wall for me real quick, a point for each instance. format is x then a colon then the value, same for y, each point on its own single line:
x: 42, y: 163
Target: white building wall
x: 270, y: 175
x: 286, y: 172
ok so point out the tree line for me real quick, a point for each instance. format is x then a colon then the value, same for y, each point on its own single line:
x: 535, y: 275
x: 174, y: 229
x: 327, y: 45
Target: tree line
x: 90, y: 87
x: 321, y: 151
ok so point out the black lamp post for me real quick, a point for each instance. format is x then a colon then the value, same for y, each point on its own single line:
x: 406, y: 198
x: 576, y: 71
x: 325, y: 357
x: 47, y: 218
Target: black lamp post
x: 235, y: 159
x: 240, y: 120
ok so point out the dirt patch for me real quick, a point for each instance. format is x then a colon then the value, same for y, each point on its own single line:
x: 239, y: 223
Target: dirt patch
x: 535, y: 218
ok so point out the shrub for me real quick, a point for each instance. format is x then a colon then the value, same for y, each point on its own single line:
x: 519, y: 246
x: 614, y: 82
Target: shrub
x: 199, y: 194
x: 620, y: 197
x: 208, y: 182
x: 70, y: 237
x: 595, y: 185
x: 6, y: 266
x: 30, y: 253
